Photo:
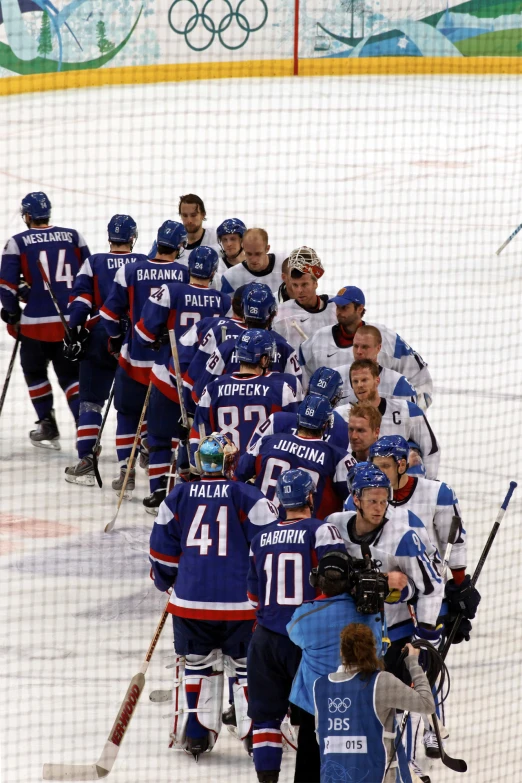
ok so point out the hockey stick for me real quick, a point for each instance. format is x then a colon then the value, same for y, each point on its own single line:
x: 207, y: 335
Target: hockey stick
x: 179, y: 382
x: 110, y: 525
x: 109, y: 754
x: 55, y: 300
x: 10, y: 369
x: 452, y: 537
x: 508, y: 240
x: 298, y: 328
x: 480, y: 564
x: 98, y: 439
x: 457, y: 765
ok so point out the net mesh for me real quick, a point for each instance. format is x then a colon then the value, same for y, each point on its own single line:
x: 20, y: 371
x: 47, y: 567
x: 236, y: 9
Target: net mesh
x: 404, y: 186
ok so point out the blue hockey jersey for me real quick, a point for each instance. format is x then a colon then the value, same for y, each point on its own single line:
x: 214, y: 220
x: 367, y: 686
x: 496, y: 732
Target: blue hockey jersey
x: 274, y: 454
x: 132, y: 286
x: 202, y: 338
x: 281, y: 558
x: 177, y: 306
x: 336, y: 435
x: 200, y: 544
x: 224, y: 360
x: 61, y: 252
x: 94, y: 282
x: 234, y: 404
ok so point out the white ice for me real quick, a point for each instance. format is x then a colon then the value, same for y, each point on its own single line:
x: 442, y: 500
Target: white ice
x: 405, y: 187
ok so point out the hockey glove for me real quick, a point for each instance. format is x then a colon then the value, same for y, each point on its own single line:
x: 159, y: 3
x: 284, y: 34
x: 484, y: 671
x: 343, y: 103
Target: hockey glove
x: 24, y: 289
x: 74, y: 348
x: 10, y: 318
x: 161, y: 339
x: 114, y: 346
x: 462, y: 598
x: 463, y: 631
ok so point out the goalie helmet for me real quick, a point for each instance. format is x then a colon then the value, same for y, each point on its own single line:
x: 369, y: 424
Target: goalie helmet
x: 255, y: 343
x: 370, y: 477
x: 314, y: 412
x: 36, y: 205
x: 217, y: 455
x: 231, y: 226
x: 390, y: 446
x: 327, y: 382
x: 203, y: 262
x: 122, y: 229
x: 172, y: 234
x: 293, y: 488
x: 305, y: 260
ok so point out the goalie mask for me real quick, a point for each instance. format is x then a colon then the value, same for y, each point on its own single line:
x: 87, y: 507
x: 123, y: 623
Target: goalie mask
x: 305, y: 260
x: 217, y: 455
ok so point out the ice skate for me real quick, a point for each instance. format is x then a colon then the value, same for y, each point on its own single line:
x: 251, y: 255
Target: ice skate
x: 153, y: 501
x: 431, y: 746
x: 268, y: 776
x: 117, y: 483
x: 46, y: 435
x: 82, y: 473
x: 197, y: 745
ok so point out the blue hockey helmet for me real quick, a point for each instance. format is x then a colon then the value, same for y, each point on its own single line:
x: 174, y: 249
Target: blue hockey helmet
x: 327, y: 382
x: 231, y: 226
x: 122, y: 229
x: 390, y: 446
x: 172, y: 234
x: 293, y: 488
x: 203, y: 262
x: 314, y: 412
x: 217, y: 455
x: 255, y: 343
x: 353, y: 470
x: 370, y: 477
x: 259, y: 303
x: 36, y: 205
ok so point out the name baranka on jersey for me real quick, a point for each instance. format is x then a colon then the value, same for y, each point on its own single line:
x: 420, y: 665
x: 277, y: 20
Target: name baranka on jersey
x: 243, y: 390
x: 211, y: 490
x: 159, y: 274
x: 300, y: 450
x: 51, y: 236
x: 283, y: 537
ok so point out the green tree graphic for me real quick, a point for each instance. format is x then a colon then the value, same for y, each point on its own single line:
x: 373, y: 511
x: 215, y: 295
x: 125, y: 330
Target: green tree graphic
x: 45, y: 41
x: 104, y: 45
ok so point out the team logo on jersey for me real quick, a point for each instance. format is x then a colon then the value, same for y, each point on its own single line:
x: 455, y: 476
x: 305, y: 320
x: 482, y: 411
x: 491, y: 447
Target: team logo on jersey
x: 339, y: 705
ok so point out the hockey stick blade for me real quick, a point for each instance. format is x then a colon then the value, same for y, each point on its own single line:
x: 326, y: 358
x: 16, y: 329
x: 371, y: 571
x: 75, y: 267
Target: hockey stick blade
x: 456, y: 765
x: 106, y: 761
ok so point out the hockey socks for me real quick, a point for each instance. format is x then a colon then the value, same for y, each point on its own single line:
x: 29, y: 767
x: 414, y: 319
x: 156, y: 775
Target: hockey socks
x: 268, y: 745
x: 160, y: 456
x: 41, y: 394
x: 88, y: 428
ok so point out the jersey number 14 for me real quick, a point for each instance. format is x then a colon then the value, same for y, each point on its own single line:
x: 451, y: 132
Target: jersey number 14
x: 63, y: 271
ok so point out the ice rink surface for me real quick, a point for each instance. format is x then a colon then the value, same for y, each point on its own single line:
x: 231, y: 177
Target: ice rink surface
x: 405, y: 187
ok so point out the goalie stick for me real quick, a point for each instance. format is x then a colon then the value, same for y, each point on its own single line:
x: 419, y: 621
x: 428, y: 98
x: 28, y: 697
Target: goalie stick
x: 127, y: 709
x: 298, y: 329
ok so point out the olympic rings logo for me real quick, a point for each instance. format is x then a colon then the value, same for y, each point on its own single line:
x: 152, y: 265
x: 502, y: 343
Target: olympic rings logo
x: 214, y: 28
x: 339, y: 705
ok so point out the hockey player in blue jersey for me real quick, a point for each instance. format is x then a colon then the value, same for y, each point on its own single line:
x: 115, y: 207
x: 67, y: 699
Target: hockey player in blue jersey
x: 329, y: 384
x: 234, y: 404
x: 259, y: 309
x: 328, y: 466
x: 61, y: 251
x: 174, y: 306
x: 132, y: 286
x: 88, y: 341
x: 281, y: 559
x: 199, y: 545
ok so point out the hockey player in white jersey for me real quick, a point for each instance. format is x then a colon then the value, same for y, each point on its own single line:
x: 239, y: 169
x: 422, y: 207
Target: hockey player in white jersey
x: 230, y: 237
x: 333, y: 345
x: 260, y: 265
x: 399, y: 417
x: 367, y: 344
x: 400, y: 541
x: 306, y: 312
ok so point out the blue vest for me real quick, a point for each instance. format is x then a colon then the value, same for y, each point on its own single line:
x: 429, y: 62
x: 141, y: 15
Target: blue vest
x: 350, y: 733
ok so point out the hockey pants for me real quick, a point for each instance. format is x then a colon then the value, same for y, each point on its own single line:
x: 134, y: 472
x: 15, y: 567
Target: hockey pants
x: 35, y: 356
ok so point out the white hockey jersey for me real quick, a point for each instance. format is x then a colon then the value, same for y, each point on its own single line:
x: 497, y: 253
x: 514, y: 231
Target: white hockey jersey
x: 400, y: 544
x: 292, y: 319
x: 240, y: 274
x: 322, y: 349
x: 392, y: 384
x: 400, y: 417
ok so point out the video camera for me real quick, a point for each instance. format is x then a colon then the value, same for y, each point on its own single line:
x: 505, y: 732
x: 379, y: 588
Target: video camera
x: 367, y: 586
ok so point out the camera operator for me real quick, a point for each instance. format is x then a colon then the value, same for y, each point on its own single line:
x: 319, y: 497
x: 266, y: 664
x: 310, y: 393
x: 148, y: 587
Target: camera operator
x: 355, y: 709
x: 315, y: 627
